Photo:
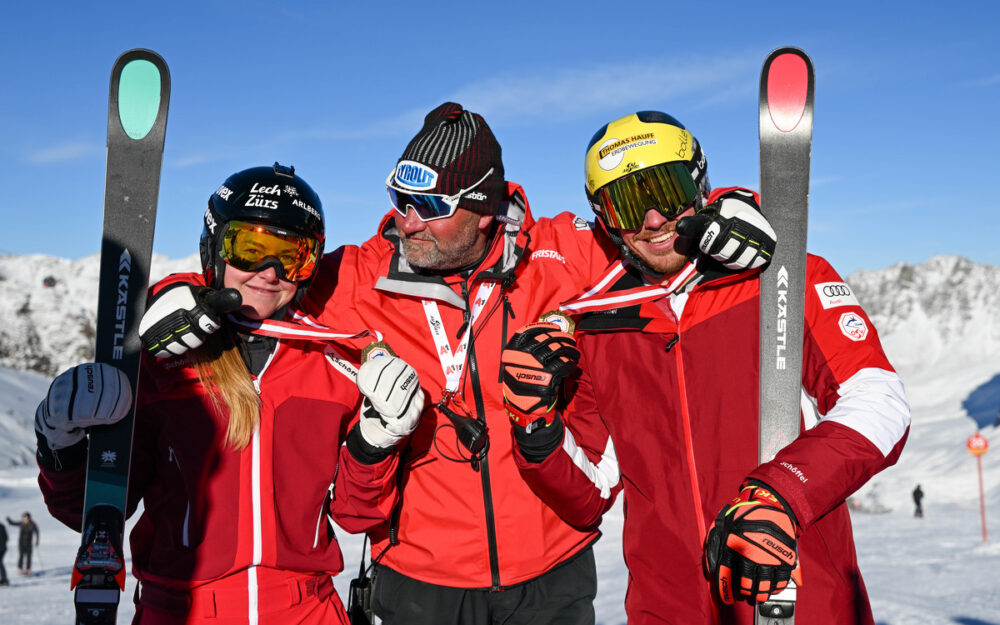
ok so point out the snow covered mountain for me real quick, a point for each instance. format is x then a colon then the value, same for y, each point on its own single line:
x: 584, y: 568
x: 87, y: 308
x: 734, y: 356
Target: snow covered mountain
x: 48, y: 306
x: 937, y: 315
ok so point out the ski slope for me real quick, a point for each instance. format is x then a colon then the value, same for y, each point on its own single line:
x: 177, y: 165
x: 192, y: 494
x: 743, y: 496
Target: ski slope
x: 930, y: 571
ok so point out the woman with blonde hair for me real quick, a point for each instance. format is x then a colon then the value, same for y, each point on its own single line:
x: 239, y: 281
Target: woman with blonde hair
x: 237, y: 437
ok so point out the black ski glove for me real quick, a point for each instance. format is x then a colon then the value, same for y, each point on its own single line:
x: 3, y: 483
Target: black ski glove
x: 732, y: 230
x: 182, y: 315
x: 535, y: 362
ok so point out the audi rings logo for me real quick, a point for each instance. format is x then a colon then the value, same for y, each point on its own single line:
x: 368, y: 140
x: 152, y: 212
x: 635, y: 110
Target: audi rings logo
x: 834, y: 294
x: 836, y: 290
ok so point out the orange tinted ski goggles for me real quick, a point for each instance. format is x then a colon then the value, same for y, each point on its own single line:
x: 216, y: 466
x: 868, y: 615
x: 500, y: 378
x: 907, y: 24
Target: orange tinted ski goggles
x: 254, y: 247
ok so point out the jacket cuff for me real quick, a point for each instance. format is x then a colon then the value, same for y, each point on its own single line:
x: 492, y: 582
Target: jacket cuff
x: 67, y: 459
x: 363, y: 451
x: 540, y: 444
x: 777, y: 495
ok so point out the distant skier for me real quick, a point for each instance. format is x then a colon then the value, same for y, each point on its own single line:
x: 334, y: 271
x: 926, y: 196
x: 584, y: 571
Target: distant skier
x: 918, y: 496
x: 29, y: 531
x: 3, y: 550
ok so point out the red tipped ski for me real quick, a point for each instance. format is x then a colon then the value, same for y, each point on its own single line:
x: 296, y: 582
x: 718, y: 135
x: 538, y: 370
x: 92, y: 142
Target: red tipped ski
x: 786, y: 118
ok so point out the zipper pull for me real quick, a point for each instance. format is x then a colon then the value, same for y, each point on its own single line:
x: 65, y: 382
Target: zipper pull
x: 672, y: 342
x: 465, y: 313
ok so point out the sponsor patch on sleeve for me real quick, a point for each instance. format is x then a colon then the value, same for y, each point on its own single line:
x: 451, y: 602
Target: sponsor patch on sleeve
x: 853, y: 326
x: 834, y: 294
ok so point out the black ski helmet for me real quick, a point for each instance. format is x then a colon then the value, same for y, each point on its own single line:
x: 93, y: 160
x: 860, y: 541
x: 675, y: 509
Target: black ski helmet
x: 274, y: 196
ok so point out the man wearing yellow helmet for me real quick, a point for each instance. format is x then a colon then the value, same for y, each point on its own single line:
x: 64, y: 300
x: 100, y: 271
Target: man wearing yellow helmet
x: 650, y: 160
x: 664, y: 404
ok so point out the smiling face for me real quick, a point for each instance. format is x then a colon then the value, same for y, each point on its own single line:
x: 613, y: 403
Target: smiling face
x: 654, y: 242
x: 263, y: 291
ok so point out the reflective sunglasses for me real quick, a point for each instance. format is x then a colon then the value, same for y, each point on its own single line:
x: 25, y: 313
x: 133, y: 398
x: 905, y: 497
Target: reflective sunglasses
x: 253, y: 247
x: 669, y: 188
x: 428, y: 206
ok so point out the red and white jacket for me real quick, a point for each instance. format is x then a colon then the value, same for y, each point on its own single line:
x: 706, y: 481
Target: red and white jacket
x: 461, y: 527
x: 666, y: 410
x: 209, y: 511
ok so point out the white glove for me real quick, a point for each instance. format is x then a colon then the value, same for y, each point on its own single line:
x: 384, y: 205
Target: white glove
x: 181, y: 316
x: 393, y: 400
x: 735, y: 232
x: 88, y: 394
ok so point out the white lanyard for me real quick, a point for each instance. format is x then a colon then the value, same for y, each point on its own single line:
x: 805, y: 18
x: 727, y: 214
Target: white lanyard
x: 453, y: 363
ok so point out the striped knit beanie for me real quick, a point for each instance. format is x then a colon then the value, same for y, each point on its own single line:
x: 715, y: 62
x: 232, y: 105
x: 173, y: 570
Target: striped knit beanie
x: 458, y: 148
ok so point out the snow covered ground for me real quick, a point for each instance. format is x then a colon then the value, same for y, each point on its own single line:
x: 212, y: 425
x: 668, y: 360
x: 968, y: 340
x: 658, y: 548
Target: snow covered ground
x: 931, y: 571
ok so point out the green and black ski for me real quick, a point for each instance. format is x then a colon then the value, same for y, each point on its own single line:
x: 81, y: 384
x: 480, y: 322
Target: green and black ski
x: 137, y: 121
x: 786, y: 121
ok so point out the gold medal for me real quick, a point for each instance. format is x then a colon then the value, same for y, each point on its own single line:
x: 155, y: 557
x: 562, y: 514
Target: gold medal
x: 375, y: 349
x: 561, y: 319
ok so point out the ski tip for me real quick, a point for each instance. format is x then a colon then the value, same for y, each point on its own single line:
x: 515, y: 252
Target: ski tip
x: 144, y: 54
x: 140, y: 93
x: 140, y: 56
x: 786, y: 87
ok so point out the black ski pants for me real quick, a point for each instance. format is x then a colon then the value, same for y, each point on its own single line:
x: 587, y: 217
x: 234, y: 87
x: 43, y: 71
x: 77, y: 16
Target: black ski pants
x: 562, y: 596
x: 24, y: 557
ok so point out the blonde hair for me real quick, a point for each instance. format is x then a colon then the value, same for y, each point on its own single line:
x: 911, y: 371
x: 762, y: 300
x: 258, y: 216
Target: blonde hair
x: 225, y: 376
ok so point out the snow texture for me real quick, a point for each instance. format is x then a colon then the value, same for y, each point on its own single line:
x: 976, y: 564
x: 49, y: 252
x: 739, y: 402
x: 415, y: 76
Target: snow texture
x: 937, y: 321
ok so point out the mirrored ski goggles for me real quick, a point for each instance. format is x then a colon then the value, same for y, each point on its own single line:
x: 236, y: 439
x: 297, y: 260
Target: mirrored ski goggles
x: 668, y: 187
x: 253, y: 247
x: 428, y: 206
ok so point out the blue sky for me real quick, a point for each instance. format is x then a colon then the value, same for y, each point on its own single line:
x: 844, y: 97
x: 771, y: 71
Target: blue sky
x: 904, y: 149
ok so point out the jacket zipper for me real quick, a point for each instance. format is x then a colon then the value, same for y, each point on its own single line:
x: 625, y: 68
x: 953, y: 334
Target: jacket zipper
x: 185, y: 529
x: 255, y: 479
x: 322, y: 513
x: 672, y: 343
x: 484, y: 469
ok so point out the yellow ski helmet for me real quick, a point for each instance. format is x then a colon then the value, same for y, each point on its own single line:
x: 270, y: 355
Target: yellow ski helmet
x: 641, y: 161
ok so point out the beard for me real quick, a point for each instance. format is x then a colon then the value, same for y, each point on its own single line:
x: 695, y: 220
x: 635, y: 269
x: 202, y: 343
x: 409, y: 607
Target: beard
x: 423, y: 250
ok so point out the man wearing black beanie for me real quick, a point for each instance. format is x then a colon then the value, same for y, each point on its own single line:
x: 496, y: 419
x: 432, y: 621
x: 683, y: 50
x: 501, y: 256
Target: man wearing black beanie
x: 457, y: 266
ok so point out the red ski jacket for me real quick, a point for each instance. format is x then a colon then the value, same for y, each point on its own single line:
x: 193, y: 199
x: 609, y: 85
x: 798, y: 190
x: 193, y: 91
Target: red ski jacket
x: 460, y: 526
x: 666, y: 409
x: 210, y: 511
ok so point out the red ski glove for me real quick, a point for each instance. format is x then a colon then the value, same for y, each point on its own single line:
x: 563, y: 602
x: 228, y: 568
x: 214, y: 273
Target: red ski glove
x: 535, y: 362
x: 750, y: 551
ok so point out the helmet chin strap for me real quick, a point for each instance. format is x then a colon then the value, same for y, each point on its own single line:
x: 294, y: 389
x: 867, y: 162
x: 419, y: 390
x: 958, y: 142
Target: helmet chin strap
x: 632, y: 258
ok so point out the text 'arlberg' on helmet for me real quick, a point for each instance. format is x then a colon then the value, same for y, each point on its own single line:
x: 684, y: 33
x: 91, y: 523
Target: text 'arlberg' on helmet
x: 639, y: 141
x: 274, y: 197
